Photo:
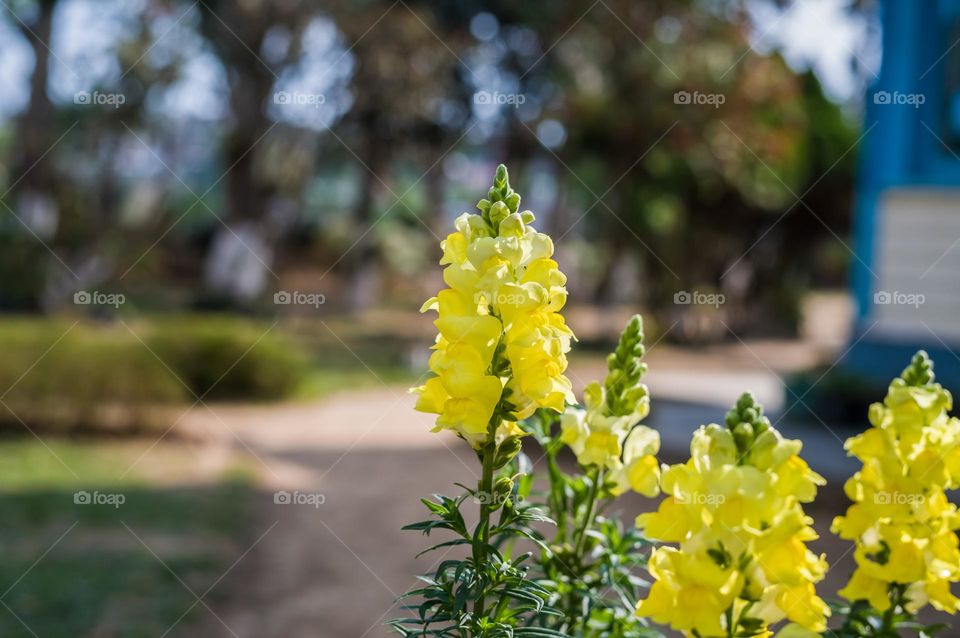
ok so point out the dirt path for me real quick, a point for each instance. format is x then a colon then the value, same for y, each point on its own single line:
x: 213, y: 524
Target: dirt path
x: 333, y: 565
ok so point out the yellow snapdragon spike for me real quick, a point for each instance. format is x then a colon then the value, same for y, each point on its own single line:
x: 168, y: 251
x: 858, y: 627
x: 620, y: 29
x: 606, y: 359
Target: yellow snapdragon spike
x: 901, y: 520
x: 502, y: 344
x: 735, y: 508
x: 607, y: 434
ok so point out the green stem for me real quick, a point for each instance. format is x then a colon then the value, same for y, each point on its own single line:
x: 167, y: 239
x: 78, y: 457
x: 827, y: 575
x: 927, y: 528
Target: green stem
x: 596, y: 477
x: 889, y: 616
x: 557, y: 505
x: 482, y: 536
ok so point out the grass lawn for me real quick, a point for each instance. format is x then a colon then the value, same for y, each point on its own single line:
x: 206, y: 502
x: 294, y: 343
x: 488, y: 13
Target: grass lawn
x: 324, y: 381
x: 75, y: 570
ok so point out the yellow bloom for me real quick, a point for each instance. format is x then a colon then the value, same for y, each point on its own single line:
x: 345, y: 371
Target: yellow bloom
x: 735, y: 509
x: 640, y: 470
x: 864, y: 587
x: 901, y: 520
x: 691, y: 593
x: 501, y: 349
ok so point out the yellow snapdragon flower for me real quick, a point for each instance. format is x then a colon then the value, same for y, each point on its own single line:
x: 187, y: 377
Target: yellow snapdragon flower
x: 735, y: 508
x: 901, y: 521
x: 501, y: 349
x: 606, y: 433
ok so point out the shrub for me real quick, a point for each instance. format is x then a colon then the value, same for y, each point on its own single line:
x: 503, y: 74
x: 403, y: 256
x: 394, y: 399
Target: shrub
x: 56, y: 377
x: 227, y: 358
x: 66, y: 377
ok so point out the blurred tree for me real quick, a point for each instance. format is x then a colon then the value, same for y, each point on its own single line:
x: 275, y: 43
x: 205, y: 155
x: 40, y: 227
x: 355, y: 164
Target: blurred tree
x: 663, y: 195
x: 63, y: 185
x: 410, y: 105
x: 31, y: 177
x: 244, y: 246
x: 704, y: 145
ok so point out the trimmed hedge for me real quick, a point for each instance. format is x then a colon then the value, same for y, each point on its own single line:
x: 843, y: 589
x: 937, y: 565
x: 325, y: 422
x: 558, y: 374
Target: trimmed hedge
x: 112, y: 377
x: 229, y: 358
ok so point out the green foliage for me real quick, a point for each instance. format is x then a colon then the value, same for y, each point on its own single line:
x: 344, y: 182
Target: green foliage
x: 593, y: 563
x: 714, y: 177
x: 81, y: 378
x: 56, y: 375
x: 229, y: 358
x: 860, y: 620
x: 488, y: 592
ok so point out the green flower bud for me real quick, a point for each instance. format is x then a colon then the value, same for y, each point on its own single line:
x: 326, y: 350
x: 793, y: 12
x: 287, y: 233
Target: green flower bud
x: 512, y: 201
x: 625, y: 370
x: 746, y: 421
x: 498, y: 212
x: 743, y: 435
x: 502, y: 490
x: 920, y: 371
x: 507, y: 450
x: 500, y: 179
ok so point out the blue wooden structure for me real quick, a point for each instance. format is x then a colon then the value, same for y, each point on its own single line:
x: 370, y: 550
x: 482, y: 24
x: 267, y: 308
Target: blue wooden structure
x: 906, y: 272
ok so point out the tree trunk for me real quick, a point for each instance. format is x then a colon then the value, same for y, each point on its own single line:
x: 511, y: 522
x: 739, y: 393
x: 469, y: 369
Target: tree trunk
x: 238, y: 263
x: 32, y: 185
x: 362, y: 263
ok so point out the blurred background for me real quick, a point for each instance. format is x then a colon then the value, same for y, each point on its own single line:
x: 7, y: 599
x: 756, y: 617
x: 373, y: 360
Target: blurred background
x: 218, y: 220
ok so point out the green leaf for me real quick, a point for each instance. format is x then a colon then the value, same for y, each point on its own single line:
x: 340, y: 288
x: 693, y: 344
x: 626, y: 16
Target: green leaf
x: 458, y: 541
x: 538, y: 632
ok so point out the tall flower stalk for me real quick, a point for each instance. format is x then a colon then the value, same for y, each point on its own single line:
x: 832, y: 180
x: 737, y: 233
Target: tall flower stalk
x: 500, y: 355
x: 901, y: 521
x: 593, y: 557
x: 735, y: 509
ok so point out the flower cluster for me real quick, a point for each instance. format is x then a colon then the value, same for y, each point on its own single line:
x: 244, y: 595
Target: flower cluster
x: 901, y: 520
x: 606, y: 433
x: 501, y: 349
x: 735, y: 509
